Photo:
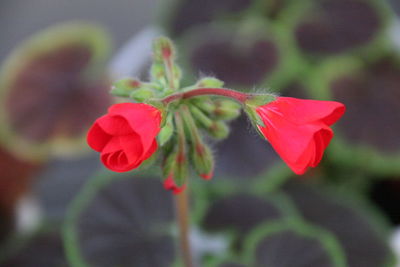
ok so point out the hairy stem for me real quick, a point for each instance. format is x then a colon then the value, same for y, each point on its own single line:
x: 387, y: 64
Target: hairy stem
x: 238, y: 96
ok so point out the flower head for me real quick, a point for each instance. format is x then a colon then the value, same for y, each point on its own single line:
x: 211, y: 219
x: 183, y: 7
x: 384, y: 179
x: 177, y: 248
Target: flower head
x: 299, y: 129
x: 125, y: 136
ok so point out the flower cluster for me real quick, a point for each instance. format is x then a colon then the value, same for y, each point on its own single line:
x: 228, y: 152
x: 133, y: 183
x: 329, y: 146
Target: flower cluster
x: 161, y: 116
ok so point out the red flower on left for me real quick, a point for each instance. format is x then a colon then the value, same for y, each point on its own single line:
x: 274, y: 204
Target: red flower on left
x: 126, y: 136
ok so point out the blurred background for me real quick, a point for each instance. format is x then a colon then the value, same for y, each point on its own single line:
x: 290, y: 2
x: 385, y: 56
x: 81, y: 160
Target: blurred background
x: 59, y: 207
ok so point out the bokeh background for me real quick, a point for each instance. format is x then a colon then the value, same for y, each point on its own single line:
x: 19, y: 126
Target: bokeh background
x: 59, y: 207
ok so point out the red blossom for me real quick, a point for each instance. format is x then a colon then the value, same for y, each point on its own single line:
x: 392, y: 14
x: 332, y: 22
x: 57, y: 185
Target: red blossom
x: 125, y: 136
x: 299, y: 129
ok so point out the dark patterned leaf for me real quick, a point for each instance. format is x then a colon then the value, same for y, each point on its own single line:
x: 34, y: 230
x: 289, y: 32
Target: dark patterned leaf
x: 126, y: 222
x: 334, y: 26
x: 360, y: 238
x: 54, y: 86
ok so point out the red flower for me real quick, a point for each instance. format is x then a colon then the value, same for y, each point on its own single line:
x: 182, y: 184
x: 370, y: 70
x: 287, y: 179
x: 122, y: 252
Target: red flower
x: 125, y: 136
x: 298, y: 129
x: 169, y: 184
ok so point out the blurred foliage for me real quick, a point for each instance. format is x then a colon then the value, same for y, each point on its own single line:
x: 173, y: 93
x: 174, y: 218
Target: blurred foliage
x: 52, y: 87
x: 323, y: 49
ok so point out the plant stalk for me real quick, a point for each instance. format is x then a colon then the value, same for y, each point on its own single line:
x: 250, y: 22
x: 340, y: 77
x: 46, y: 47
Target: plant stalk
x: 182, y: 216
x: 238, y: 96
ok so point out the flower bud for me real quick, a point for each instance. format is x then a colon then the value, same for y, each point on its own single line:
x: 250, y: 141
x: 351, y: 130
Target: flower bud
x: 169, y: 184
x: 163, y: 49
x: 176, y: 167
x: 205, y: 104
x: 209, y: 82
x: 203, y: 160
x: 218, y: 130
x: 142, y: 94
x: 157, y: 73
x: 227, y: 109
x: 125, y: 87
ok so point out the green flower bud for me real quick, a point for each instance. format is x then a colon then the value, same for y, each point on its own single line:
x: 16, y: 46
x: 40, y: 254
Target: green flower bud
x: 140, y: 95
x: 209, y: 82
x: 218, y: 130
x: 205, y: 104
x: 203, y: 160
x: 124, y: 87
x: 176, y: 167
x: 227, y: 109
x: 157, y: 73
x: 163, y: 49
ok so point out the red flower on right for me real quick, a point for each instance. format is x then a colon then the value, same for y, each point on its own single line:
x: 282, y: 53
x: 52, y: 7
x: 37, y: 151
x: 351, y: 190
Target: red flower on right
x: 299, y: 129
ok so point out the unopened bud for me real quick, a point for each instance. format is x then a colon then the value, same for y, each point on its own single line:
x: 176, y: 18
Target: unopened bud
x: 203, y: 160
x: 205, y: 104
x: 227, y: 109
x: 209, y: 82
x: 124, y: 87
x: 157, y: 73
x: 176, y: 166
x: 169, y: 184
x: 218, y: 129
x: 140, y: 95
x: 163, y: 49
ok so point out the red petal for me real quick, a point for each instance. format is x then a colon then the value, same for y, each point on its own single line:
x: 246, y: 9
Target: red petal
x: 114, y: 125
x: 151, y: 150
x: 295, y: 143
x: 97, y: 139
x: 133, y: 148
x: 144, y: 120
x: 305, y: 110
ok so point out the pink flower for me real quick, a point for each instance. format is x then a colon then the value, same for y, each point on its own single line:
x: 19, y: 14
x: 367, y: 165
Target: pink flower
x: 299, y: 129
x: 125, y: 136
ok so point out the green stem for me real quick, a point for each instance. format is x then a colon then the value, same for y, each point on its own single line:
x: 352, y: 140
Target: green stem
x: 238, y: 96
x: 191, y: 124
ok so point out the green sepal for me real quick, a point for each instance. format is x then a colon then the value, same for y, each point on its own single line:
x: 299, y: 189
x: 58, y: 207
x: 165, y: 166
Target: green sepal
x: 209, y: 82
x: 253, y: 116
x: 166, y: 131
x: 260, y: 99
